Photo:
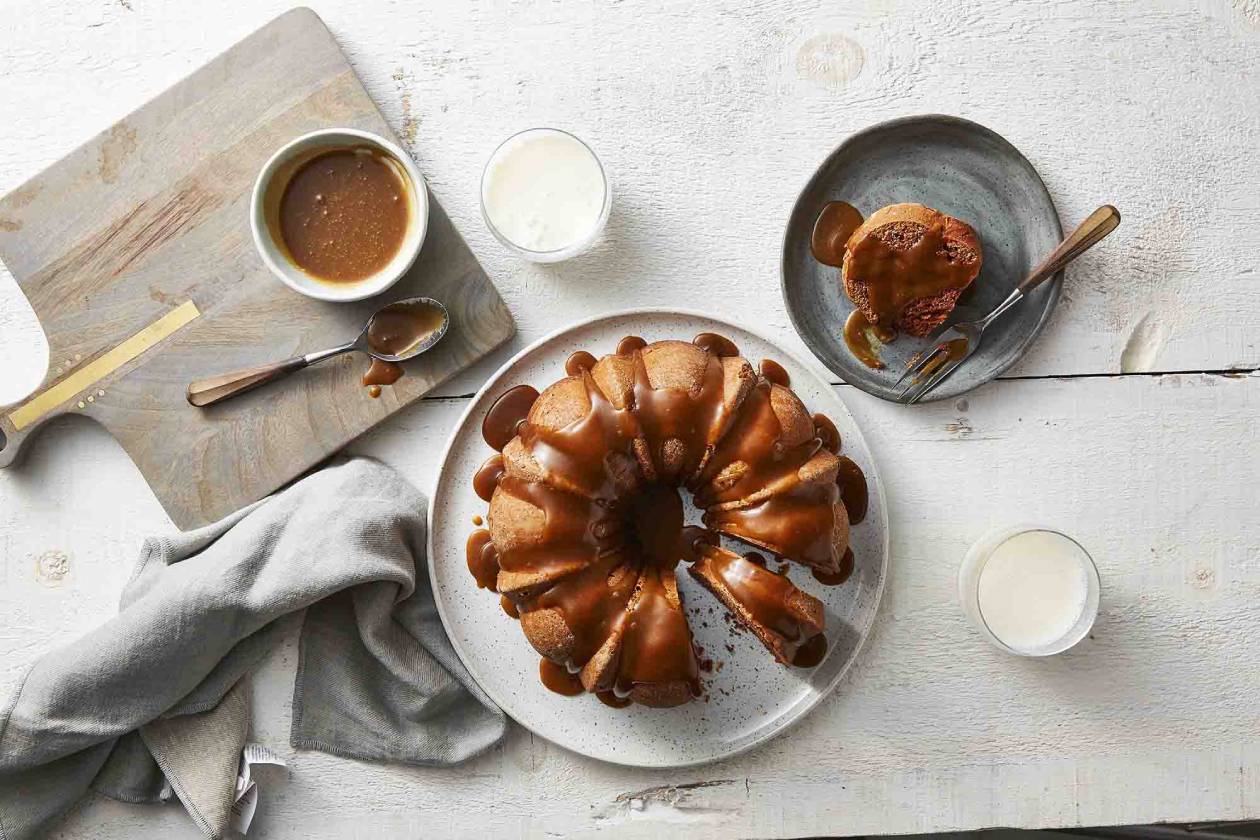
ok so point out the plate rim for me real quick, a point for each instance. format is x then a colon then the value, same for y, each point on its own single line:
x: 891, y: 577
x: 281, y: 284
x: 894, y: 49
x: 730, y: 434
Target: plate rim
x: 813, y: 369
x: 1055, y: 284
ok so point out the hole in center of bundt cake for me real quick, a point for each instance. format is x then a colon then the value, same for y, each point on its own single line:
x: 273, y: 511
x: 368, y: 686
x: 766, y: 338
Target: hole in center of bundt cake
x: 655, y: 517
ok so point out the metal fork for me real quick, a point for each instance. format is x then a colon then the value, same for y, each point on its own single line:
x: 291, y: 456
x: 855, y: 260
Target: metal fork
x: 956, y: 343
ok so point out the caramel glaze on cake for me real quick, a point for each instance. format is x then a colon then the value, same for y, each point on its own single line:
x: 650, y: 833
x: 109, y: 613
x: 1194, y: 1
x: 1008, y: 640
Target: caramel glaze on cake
x: 586, y: 524
x: 906, y: 265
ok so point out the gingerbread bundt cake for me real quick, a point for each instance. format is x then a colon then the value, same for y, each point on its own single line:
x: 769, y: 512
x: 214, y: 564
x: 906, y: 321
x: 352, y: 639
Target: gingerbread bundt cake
x: 586, y: 524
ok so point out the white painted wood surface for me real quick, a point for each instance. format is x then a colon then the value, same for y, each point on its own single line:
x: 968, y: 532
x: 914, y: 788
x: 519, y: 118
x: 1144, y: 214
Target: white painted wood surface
x: 710, y: 116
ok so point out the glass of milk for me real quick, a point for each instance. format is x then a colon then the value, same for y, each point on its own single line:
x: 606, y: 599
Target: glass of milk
x: 1030, y: 590
x: 545, y: 195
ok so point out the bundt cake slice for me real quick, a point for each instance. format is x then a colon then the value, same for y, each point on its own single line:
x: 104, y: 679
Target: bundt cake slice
x: 770, y: 482
x: 778, y: 613
x: 771, y: 443
x: 906, y: 266
x: 648, y: 658
x: 806, y: 522
x: 569, y: 621
x: 542, y: 534
x: 683, y: 400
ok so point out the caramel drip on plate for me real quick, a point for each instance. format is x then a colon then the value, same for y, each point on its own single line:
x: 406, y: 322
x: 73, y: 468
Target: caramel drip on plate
x: 846, y: 570
x: 608, y: 698
x: 836, y: 223
x: 483, y: 560
x: 487, y: 477
x: 853, y: 490
x: 558, y: 679
x: 578, y: 362
x: 629, y: 344
x: 691, y: 540
x: 506, y: 414
x: 718, y: 345
x: 827, y: 433
x: 774, y: 371
x: 812, y: 653
x: 864, y: 338
x: 895, y: 277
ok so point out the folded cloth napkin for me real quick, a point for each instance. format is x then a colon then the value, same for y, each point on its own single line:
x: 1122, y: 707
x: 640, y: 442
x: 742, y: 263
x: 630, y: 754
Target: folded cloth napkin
x: 156, y: 697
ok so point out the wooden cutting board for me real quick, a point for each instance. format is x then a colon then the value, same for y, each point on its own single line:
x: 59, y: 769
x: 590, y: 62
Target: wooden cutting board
x: 135, y: 253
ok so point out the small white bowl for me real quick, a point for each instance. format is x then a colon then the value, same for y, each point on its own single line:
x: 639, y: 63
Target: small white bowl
x: 273, y: 253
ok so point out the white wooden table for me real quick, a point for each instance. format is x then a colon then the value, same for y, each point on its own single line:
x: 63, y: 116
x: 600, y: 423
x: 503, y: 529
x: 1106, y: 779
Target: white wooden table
x: 1132, y: 423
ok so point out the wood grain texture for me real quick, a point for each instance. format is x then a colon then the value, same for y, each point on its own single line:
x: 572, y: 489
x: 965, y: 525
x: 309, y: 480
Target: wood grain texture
x: 152, y: 214
x: 710, y: 116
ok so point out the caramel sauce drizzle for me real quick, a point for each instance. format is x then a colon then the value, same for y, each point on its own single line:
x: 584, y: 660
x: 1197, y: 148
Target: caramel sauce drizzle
x: 558, y: 679
x: 656, y: 647
x: 487, y: 477
x: 812, y: 653
x: 483, y: 559
x: 381, y: 373
x: 629, y: 344
x: 774, y: 371
x: 796, y: 521
x: 846, y: 570
x: 853, y: 490
x: 508, y: 412
x: 836, y: 223
x: 578, y: 362
x: 828, y: 434
x: 717, y: 345
x: 894, y: 277
x: 864, y: 338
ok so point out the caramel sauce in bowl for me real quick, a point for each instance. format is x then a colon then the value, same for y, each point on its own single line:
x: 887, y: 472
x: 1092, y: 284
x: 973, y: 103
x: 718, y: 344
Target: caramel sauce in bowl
x: 339, y: 214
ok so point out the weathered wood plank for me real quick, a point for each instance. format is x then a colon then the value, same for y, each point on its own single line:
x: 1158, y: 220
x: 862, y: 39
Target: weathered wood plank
x: 711, y: 125
x: 1153, y: 718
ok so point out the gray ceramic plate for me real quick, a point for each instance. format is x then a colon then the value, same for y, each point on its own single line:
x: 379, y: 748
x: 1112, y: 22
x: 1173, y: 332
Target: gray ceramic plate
x: 962, y: 169
x: 748, y: 698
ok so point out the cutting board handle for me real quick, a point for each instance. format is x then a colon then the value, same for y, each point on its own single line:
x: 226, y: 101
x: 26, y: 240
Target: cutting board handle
x: 10, y: 442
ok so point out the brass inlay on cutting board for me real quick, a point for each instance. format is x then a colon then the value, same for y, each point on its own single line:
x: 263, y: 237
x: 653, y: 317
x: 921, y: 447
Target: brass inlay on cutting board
x: 102, y: 366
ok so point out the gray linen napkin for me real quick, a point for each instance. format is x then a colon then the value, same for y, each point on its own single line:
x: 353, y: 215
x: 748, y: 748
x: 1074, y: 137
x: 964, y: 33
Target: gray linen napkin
x: 156, y: 695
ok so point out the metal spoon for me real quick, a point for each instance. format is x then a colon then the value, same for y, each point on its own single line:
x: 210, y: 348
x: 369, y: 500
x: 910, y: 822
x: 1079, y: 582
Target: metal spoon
x: 215, y: 389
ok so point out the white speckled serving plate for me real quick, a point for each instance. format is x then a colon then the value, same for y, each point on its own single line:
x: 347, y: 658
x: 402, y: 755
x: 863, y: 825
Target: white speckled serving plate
x: 751, y: 698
